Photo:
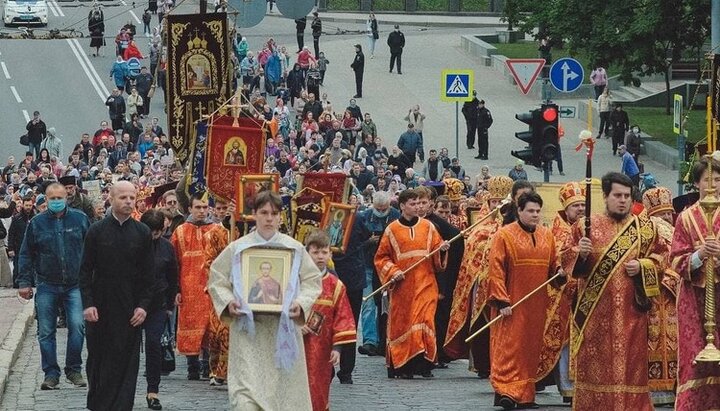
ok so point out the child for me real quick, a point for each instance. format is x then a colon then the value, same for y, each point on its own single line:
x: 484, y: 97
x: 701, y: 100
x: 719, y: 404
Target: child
x: 322, y: 64
x: 330, y: 324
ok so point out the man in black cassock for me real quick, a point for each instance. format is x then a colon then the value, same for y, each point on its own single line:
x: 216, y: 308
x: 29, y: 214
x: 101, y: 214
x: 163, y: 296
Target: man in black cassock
x: 117, y: 285
x: 446, y: 279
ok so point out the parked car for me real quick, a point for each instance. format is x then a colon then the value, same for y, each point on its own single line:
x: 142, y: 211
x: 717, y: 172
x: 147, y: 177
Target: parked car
x: 25, y: 12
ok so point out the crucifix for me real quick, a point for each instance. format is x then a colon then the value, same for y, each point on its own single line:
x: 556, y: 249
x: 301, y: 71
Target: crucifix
x: 200, y: 110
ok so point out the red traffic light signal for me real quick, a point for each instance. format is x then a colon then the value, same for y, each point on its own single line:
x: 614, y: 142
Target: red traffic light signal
x: 550, y: 114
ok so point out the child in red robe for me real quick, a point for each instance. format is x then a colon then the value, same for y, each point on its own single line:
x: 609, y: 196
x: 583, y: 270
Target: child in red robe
x: 329, y: 325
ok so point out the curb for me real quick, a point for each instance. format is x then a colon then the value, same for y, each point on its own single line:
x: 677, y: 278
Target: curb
x: 12, y: 344
x: 421, y: 22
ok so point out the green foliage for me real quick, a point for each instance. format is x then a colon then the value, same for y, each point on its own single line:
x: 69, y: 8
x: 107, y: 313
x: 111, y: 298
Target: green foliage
x: 432, y: 5
x: 474, y: 5
x: 343, y: 5
x: 655, y: 122
x: 389, y: 5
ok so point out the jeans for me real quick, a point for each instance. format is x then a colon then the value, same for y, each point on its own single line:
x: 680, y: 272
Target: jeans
x: 35, y: 149
x: 368, y: 314
x: 371, y: 45
x: 154, y: 325
x: 47, y: 299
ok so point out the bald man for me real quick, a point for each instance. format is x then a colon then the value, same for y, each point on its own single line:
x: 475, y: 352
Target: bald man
x: 116, y: 283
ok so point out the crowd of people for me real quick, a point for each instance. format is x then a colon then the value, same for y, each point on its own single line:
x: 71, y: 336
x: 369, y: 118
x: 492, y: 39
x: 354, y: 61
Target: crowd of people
x: 136, y: 252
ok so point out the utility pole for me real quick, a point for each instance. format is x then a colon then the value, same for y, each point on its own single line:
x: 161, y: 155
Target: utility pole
x: 715, y: 26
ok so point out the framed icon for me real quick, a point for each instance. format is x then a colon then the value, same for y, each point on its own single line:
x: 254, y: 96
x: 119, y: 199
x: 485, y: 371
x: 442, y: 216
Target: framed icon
x: 337, y: 222
x: 249, y: 185
x: 265, y: 275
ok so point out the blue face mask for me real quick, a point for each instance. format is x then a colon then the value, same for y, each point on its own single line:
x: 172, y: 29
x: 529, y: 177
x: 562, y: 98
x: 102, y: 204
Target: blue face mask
x: 381, y: 214
x: 56, y: 205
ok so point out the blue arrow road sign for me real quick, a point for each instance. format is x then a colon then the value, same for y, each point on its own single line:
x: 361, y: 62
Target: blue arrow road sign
x: 566, y: 75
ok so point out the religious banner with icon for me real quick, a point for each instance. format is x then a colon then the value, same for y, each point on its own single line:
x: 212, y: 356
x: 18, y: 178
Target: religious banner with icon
x: 249, y: 185
x: 196, y: 177
x: 235, y: 147
x: 197, y: 74
x: 335, y: 185
x: 308, y: 208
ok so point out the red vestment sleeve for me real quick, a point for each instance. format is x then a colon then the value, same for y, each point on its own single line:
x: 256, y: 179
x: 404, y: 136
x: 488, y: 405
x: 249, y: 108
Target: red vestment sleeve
x: 343, y: 323
x: 384, y: 264
x: 497, y: 273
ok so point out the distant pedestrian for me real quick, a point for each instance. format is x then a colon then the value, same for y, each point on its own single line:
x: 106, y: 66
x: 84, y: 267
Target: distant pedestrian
x: 54, y: 267
x: 358, y: 66
x: 300, y: 25
x: 599, y: 80
x: 518, y: 172
x: 143, y: 84
x: 146, y: 19
x: 620, y: 125
x: 36, y: 132
x: 316, y: 27
x: 545, y: 51
x: 396, y: 41
x: 116, y: 109
x: 119, y: 73
x: 485, y: 120
x: 410, y: 143
x: 117, y: 283
x: 322, y: 64
x: 470, y: 112
x: 629, y: 166
x: 633, y: 141
x: 371, y: 27
x: 96, y: 28
x: 16, y: 234
x: 52, y: 143
x: 604, y: 106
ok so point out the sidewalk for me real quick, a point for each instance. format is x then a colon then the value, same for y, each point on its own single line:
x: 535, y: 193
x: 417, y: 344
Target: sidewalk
x: 14, y: 323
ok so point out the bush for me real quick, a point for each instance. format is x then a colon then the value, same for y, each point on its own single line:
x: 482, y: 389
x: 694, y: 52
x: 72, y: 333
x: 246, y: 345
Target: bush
x: 432, y: 5
x: 343, y: 5
x: 388, y: 5
x: 475, y: 5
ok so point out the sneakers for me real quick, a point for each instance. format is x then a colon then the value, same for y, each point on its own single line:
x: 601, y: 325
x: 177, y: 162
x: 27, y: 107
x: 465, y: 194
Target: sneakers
x: 50, y: 383
x: 368, y: 349
x: 76, y: 379
x: 216, y: 382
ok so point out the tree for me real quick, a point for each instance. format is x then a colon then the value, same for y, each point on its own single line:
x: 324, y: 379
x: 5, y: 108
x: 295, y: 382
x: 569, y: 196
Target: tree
x: 640, y: 37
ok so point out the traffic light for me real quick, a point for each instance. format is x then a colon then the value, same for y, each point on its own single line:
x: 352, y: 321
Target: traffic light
x: 531, y: 119
x: 541, y: 137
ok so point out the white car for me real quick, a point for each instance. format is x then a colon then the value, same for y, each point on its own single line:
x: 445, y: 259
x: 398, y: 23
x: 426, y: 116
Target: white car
x: 25, y: 12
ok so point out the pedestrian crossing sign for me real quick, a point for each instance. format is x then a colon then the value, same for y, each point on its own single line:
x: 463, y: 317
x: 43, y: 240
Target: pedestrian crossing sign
x: 456, y: 85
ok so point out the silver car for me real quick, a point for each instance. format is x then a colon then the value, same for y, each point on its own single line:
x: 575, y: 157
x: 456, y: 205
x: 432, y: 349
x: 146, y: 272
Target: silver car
x: 25, y: 12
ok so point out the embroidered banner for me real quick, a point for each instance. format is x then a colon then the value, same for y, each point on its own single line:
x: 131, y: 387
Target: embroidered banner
x: 196, y: 178
x: 335, y: 185
x: 197, y: 74
x: 232, y: 150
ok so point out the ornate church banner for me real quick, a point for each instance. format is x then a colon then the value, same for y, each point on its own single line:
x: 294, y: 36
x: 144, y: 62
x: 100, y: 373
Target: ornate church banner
x: 197, y: 74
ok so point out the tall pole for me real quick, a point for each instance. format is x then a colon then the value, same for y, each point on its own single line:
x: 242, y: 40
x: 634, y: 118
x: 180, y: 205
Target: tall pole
x: 457, y: 129
x: 715, y: 26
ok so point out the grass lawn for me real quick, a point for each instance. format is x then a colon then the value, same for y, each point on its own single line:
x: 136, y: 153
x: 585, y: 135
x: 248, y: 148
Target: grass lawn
x: 654, y: 121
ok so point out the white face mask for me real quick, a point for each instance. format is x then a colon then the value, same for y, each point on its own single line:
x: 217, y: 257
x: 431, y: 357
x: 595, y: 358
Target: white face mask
x: 636, y: 130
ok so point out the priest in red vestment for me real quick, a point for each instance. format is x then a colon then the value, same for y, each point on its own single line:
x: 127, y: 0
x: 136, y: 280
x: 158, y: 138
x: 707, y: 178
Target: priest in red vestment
x: 523, y: 256
x: 618, y: 268
x: 330, y: 324
x: 698, y: 385
x: 193, y: 301
x: 411, y: 343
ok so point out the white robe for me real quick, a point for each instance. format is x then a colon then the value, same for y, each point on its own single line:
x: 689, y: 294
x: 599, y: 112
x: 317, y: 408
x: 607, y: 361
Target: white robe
x: 254, y: 383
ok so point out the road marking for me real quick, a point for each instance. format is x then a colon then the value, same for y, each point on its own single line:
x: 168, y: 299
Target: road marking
x: 15, y: 93
x: 92, y: 68
x: 53, y: 9
x: 59, y: 9
x: 26, y: 115
x: 87, y: 71
x: 5, y: 70
x: 132, y: 12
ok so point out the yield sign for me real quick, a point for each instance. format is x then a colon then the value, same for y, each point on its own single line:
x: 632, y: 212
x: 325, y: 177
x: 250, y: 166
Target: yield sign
x: 525, y: 71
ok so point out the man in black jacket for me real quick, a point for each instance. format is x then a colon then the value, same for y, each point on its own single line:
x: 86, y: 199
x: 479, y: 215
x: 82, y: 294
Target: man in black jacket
x: 351, y: 271
x: 396, y: 41
x: 16, y: 233
x: 116, y: 109
x: 316, y: 27
x: 36, y: 132
x: 485, y: 120
x: 300, y: 25
x: 358, y: 66
x: 470, y: 112
x: 143, y: 84
x: 312, y: 106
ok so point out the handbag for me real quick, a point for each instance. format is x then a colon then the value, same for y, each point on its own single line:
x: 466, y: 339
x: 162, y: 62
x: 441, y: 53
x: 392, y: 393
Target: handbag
x: 24, y: 140
x: 167, y: 349
x: 151, y: 93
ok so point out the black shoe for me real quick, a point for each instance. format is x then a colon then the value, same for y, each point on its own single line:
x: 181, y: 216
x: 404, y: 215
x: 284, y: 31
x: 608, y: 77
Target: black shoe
x: 399, y: 72
x: 368, y: 349
x: 50, y: 383
x: 483, y: 375
x: 347, y: 380
x: 527, y: 406
x: 507, y: 403
x: 441, y: 365
x: 485, y: 157
x: 567, y: 400
x: 471, y: 147
x: 479, y: 157
x: 406, y: 376
x: 357, y: 96
x: 194, y: 376
x: 390, y: 71
x: 153, y: 403
x: 427, y: 374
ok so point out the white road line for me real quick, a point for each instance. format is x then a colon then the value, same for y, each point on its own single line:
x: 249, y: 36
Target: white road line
x: 87, y: 72
x: 51, y: 6
x: 5, y: 70
x: 92, y: 68
x: 15, y: 93
x: 136, y: 17
x: 26, y: 115
x: 58, y: 8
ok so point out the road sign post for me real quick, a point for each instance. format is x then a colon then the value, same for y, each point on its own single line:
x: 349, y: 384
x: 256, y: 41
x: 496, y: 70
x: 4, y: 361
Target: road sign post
x: 566, y: 75
x: 456, y: 86
x: 679, y: 130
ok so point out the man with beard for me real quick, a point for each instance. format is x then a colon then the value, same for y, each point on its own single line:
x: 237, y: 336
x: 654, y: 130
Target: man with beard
x: 447, y: 278
x: 117, y: 282
x: 555, y: 355
x: 375, y: 220
x: 618, y: 267
x: 411, y: 343
x: 16, y: 233
x: 76, y: 199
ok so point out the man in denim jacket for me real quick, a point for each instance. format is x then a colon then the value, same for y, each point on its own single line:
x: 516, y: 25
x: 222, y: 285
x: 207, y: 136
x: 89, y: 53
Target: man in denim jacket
x: 51, y: 252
